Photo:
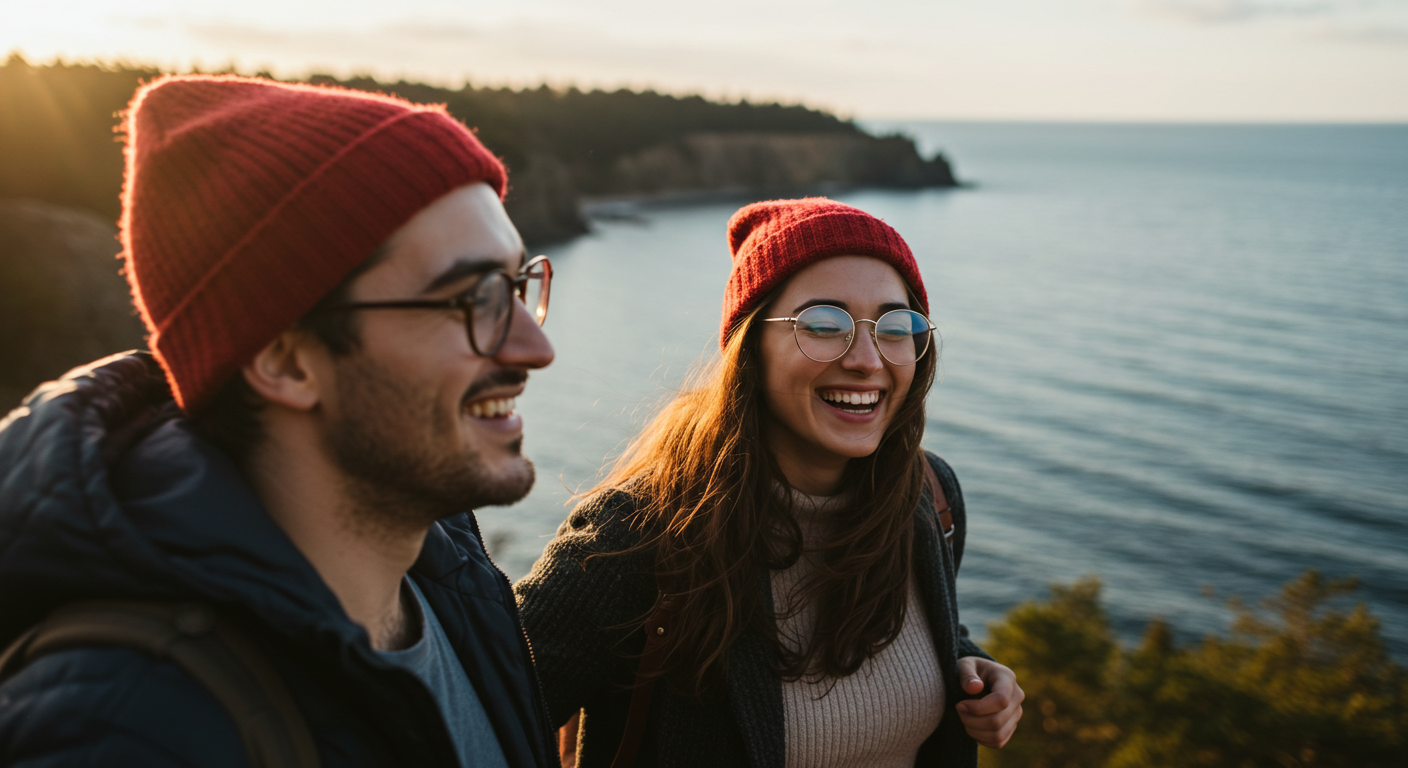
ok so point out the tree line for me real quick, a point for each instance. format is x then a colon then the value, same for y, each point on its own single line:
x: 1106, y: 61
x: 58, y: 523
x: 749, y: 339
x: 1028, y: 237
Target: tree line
x: 57, y: 122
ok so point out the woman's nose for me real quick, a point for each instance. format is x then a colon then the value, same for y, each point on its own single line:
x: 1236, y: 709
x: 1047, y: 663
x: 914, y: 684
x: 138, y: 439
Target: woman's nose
x: 864, y: 354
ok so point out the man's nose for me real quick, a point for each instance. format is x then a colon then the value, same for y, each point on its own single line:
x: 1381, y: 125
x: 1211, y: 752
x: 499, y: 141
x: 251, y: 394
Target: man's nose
x: 526, y: 346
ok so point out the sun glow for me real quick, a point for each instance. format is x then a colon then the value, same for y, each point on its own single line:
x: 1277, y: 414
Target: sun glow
x: 1006, y: 59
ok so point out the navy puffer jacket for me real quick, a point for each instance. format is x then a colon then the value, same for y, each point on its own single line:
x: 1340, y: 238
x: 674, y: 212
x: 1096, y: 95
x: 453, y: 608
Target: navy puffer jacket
x: 105, y: 492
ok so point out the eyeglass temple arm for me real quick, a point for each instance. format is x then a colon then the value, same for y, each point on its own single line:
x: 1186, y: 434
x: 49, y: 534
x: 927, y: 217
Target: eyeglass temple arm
x: 454, y: 303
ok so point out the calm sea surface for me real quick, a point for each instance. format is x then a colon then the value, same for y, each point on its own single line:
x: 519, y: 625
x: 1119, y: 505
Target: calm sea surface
x: 1173, y: 356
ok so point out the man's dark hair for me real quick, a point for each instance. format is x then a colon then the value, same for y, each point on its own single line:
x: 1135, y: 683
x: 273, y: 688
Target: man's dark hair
x: 231, y: 420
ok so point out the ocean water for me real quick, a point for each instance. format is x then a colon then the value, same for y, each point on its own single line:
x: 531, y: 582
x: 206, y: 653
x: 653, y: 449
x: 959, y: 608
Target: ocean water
x: 1174, y: 357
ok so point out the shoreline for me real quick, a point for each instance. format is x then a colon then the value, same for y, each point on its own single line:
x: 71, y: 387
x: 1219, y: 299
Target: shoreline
x: 629, y: 207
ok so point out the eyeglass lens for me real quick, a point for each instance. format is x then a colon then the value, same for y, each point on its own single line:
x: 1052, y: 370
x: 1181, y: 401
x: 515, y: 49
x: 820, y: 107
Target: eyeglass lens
x: 492, y: 307
x: 534, y: 286
x: 492, y: 304
x: 824, y: 333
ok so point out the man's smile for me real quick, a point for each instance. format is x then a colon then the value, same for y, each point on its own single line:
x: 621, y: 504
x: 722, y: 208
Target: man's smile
x: 492, y: 408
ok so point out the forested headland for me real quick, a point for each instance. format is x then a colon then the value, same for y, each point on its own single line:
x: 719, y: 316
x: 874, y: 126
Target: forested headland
x: 57, y: 142
x: 62, y: 302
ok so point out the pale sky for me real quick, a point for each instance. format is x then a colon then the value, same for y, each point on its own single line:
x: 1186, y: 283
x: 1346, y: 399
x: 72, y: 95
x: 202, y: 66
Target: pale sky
x: 1155, y: 60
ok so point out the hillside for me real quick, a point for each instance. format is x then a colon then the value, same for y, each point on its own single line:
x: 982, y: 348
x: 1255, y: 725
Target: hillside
x: 57, y: 143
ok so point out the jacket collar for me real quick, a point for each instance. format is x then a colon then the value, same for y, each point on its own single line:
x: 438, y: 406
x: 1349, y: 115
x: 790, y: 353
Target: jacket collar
x: 107, y: 492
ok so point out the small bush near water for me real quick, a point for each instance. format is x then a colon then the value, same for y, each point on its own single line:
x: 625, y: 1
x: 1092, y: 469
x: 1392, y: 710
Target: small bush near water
x: 1300, y: 681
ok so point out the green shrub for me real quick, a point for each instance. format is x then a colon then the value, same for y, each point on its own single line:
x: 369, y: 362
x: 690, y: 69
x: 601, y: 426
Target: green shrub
x: 1300, y: 681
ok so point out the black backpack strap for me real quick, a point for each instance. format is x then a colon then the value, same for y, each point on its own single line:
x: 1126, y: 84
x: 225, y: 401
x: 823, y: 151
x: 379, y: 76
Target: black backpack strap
x: 206, y: 646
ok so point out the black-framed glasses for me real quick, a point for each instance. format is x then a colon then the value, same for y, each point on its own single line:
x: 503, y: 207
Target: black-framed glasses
x: 824, y: 333
x: 488, y: 306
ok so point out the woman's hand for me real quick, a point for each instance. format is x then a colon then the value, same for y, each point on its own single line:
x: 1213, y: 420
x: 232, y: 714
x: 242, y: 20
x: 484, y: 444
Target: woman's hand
x: 992, y: 719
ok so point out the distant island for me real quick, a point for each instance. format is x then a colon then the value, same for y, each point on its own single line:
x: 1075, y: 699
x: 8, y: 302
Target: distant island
x: 62, y: 302
x: 57, y: 143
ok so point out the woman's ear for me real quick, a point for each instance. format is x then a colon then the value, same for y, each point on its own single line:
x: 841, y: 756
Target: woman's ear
x: 286, y: 370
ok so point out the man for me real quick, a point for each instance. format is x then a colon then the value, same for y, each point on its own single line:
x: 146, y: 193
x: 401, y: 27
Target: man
x: 333, y: 294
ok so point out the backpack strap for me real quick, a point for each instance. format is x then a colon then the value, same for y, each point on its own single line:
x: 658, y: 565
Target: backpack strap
x: 936, y: 492
x: 208, y: 647
x: 656, y: 629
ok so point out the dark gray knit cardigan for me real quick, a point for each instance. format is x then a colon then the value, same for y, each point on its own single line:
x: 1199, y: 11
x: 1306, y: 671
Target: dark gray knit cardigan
x: 583, y: 622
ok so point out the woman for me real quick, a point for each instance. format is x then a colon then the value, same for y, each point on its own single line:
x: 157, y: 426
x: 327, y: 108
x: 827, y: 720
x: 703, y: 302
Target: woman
x: 780, y: 507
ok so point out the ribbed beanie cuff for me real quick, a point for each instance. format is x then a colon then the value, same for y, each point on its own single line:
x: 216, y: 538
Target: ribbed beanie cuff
x: 246, y: 201
x: 771, y: 241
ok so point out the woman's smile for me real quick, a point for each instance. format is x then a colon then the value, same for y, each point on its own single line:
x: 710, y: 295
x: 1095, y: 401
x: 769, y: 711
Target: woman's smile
x: 855, y: 402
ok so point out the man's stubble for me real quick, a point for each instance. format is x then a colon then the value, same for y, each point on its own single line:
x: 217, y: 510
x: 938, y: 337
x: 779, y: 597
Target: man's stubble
x: 385, y: 442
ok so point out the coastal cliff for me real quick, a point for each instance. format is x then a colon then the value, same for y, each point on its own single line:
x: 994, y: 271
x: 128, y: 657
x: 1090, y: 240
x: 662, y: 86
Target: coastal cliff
x: 63, y: 301
x: 57, y: 143
x: 544, y: 199
x: 773, y: 161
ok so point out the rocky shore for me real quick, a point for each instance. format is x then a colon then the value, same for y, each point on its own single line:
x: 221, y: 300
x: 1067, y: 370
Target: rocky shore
x: 546, y: 203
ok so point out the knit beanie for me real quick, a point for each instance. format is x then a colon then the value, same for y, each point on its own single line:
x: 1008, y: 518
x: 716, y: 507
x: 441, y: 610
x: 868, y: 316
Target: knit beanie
x: 773, y: 240
x: 245, y: 201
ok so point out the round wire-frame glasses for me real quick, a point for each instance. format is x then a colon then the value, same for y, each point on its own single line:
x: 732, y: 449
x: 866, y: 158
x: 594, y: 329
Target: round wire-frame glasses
x: 825, y: 333
x: 487, y: 305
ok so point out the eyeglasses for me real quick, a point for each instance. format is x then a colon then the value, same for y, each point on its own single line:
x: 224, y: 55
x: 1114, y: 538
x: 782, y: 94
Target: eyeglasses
x: 824, y: 333
x: 488, y: 306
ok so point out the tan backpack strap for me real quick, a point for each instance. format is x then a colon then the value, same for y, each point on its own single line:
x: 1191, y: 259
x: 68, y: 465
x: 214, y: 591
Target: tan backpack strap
x: 657, y: 628
x: 936, y: 492
x: 206, y: 646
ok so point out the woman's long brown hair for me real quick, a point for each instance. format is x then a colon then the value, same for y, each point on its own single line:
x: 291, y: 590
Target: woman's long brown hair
x: 708, y: 505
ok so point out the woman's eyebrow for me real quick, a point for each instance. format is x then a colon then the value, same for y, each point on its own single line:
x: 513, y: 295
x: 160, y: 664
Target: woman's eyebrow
x: 821, y: 302
x: 886, y: 307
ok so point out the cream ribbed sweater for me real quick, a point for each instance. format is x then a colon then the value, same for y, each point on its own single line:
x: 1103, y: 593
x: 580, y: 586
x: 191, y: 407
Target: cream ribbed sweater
x: 876, y: 718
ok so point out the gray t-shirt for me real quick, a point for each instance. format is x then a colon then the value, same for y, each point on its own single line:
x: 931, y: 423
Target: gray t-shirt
x: 433, y: 661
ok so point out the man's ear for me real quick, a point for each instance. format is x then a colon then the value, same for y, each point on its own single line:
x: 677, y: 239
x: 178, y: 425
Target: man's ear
x: 286, y: 371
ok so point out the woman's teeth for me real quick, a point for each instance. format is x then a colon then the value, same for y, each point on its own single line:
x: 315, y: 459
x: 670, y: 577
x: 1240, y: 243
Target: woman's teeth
x: 491, y: 409
x: 864, y: 400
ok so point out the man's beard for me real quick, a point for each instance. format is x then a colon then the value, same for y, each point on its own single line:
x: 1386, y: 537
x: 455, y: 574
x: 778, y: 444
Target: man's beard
x: 385, y: 441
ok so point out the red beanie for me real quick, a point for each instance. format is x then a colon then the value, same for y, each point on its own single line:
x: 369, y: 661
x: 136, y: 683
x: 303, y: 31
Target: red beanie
x: 771, y: 241
x: 246, y: 201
